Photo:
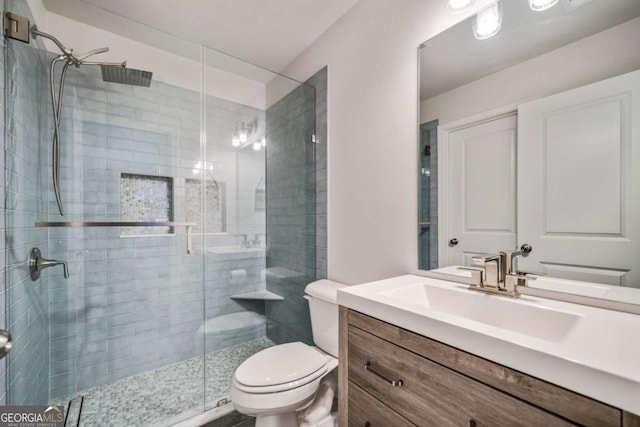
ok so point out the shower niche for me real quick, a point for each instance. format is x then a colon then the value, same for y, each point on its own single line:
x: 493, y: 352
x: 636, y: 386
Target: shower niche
x: 145, y: 198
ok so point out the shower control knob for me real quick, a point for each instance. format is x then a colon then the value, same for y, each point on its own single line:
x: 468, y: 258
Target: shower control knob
x: 453, y: 242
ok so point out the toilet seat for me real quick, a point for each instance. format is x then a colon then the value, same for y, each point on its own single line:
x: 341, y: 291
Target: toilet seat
x: 279, y: 368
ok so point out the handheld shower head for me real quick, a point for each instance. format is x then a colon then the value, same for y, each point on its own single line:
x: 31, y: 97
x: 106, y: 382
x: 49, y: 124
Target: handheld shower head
x: 111, y: 72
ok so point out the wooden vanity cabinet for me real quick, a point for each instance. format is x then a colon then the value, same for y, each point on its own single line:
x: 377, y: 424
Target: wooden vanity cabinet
x: 393, y: 377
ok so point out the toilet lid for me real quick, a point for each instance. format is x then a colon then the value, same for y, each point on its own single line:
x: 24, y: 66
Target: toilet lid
x: 281, y: 364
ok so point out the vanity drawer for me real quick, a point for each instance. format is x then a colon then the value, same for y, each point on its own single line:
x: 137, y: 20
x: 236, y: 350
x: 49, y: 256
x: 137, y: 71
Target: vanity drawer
x: 557, y: 400
x: 364, y: 410
x: 431, y: 394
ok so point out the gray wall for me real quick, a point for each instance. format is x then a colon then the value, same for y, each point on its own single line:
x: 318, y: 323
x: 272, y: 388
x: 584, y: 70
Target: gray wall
x: 296, y: 207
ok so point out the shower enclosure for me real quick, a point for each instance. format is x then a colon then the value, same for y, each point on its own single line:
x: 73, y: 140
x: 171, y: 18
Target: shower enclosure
x: 188, y: 230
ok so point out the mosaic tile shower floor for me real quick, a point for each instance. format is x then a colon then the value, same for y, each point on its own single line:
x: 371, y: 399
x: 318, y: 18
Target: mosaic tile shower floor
x: 154, y: 397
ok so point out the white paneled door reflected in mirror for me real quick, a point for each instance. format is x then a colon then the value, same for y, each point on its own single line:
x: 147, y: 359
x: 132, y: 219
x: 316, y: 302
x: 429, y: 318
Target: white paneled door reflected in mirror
x: 538, y: 142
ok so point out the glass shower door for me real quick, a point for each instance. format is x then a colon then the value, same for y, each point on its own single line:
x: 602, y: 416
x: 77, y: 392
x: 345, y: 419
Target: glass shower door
x: 124, y: 332
x: 260, y: 167
x: 26, y: 201
x: 142, y: 332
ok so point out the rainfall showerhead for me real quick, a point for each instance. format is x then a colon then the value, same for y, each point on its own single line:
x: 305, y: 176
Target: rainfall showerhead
x: 127, y: 76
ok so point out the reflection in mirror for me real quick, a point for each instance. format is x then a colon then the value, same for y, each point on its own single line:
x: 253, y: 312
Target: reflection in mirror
x: 428, y: 222
x: 537, y: 131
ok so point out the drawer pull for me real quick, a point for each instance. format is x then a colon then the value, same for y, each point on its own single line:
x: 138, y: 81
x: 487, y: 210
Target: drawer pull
x: 395, y: 383
x: 367, y: 424
x: 472, y: 423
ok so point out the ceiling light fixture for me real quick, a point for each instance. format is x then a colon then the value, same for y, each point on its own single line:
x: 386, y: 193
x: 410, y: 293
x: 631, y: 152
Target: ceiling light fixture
x: 243, y: 133
x: 540, y: 5
x: 456, y: 6
x: 257, y: 145
x: 488, y: 21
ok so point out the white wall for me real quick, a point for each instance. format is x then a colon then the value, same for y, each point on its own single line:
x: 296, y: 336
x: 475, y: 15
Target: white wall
x: 39, y: 12
x: 586, y: 61
x: 373, y: 126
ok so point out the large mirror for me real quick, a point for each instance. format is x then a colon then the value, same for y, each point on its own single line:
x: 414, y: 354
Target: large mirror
x: 532, y: 136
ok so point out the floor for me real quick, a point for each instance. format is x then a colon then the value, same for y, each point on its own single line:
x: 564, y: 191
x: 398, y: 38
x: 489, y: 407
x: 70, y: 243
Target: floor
x: 233, y: 420
x: 158, y: 397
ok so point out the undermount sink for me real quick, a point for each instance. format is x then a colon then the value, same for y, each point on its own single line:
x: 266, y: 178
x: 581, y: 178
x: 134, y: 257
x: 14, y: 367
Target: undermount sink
x: 513, y: 315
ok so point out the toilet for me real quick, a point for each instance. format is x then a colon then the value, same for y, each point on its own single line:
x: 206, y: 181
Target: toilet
x: 294, y: 384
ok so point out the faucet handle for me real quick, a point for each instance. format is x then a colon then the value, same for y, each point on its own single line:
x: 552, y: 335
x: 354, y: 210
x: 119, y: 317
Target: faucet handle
x: 37, y: 263
x: 483, y: 259
x: 515, y: 280
x: 477, y: 275
x: 524, y: 250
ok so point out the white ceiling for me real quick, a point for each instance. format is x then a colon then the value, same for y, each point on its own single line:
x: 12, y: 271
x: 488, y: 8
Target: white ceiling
x: 455, y: 57
x: 269, y: 33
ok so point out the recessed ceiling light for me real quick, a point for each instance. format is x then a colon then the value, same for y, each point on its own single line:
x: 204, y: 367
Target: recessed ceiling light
x: 488, y: 21
x: 455, y: 6
x: 539, y: 5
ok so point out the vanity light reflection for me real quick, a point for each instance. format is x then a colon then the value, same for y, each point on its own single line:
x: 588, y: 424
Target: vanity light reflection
x: 488, y: 21
x: 456, y: 6
x: 540, y: 5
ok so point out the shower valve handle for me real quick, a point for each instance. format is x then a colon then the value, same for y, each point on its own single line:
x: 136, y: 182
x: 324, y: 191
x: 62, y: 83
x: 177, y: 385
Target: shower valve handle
x: 37, y: 263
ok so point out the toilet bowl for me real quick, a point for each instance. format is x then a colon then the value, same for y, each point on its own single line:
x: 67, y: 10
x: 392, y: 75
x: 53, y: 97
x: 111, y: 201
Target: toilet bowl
x: 276, y: 384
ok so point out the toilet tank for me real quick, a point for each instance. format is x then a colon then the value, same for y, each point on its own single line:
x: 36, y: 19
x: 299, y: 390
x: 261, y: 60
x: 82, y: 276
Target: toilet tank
x: 323, y: 308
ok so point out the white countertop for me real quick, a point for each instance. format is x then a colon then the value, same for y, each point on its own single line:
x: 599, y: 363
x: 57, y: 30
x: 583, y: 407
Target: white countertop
x: 599, y: 357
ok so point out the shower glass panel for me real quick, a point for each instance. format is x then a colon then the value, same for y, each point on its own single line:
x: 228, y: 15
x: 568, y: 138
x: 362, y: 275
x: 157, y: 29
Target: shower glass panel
x: 144, y: 332
x: 259, y: 169
x: 124, y: 330
x: 27, y: 115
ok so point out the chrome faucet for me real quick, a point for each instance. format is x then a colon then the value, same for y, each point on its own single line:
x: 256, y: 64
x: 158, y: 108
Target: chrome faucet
x: 497, y: 275
x: 509, y: 256
x: 37, y: 263
x: 257, y: 241
x: 492, y: 265
x: 513, y: 277
x: 244, y: 240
